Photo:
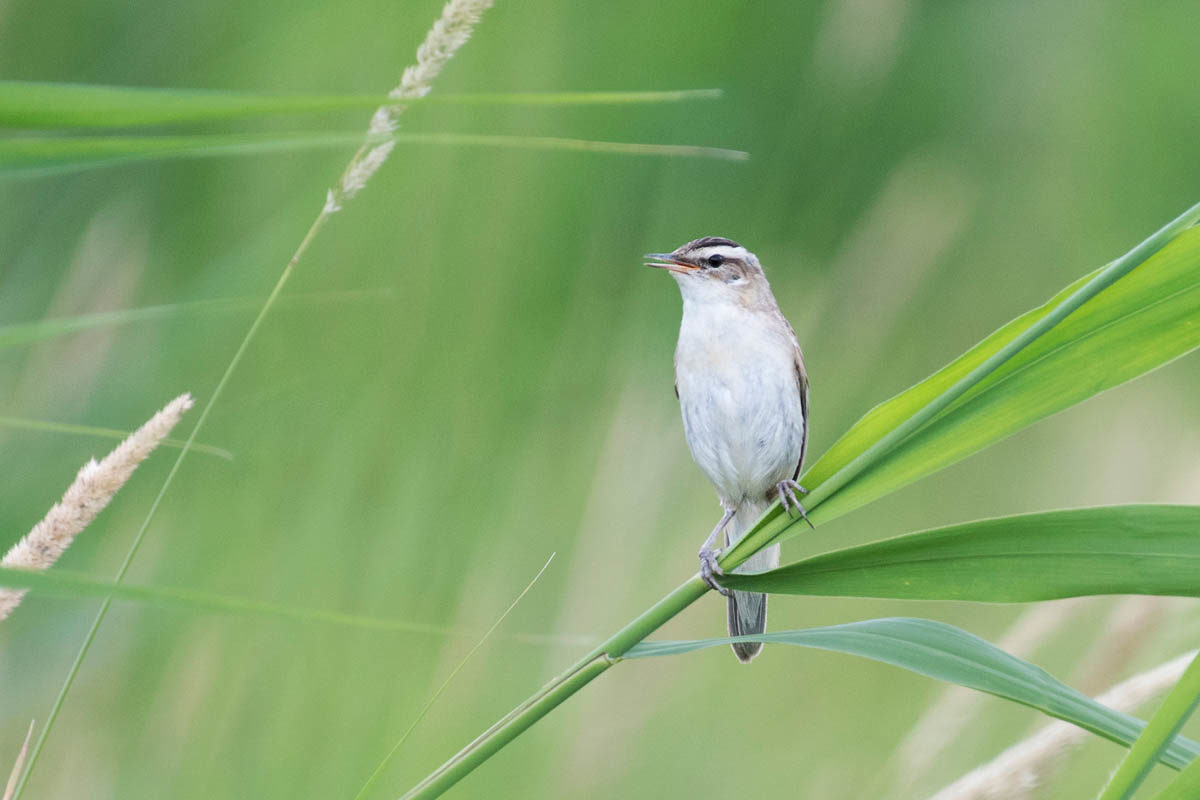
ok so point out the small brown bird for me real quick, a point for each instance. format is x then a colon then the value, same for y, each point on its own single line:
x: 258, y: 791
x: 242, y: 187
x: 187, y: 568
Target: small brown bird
x: 743, y: 391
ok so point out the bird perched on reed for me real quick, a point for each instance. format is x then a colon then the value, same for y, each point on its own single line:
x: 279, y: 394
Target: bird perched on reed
x: 743, y: 392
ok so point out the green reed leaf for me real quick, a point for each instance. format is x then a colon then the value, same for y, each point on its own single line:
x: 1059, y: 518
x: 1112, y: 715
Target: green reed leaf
x: 1137, y: 549
x: 950, y: 654
x: 1145, y: 319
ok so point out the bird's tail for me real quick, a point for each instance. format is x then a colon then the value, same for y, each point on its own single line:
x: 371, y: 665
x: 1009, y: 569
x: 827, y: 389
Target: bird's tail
x: 748, y: 610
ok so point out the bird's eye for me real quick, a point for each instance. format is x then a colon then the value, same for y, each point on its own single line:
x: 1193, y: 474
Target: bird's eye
x: 716, y: 260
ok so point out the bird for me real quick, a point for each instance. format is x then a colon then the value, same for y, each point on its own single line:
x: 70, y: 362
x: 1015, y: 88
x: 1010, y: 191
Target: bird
x: 743, y: 394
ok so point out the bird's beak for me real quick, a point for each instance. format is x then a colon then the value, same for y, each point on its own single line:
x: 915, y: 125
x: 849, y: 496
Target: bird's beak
x: 670, y: 262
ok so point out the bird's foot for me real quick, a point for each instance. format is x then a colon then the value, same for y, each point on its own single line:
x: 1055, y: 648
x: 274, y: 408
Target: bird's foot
x: 788, y: 499
x: 709, y: 568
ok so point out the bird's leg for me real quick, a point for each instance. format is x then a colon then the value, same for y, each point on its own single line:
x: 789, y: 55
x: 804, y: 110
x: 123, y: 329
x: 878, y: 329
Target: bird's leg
x: 787, y: 498
x: 708, y: 555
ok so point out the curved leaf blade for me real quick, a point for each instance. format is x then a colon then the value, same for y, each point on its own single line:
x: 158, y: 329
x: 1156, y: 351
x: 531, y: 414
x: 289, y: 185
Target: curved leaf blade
x: 54, y: 106
x: 947, y: 653
x: 1137, y: 549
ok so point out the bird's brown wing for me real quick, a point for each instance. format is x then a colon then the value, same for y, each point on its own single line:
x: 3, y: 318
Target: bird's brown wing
x: 802, y: 387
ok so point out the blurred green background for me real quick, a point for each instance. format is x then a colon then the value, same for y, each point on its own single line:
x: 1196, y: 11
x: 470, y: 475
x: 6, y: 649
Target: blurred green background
x: 471, y: 370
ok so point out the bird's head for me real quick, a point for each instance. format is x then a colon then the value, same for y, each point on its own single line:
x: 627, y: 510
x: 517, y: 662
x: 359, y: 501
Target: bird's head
x: 714, y: 269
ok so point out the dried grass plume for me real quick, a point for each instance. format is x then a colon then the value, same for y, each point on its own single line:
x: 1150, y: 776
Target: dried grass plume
x: 18, y: 766
x: 93, y: 488
x: 450, y: 32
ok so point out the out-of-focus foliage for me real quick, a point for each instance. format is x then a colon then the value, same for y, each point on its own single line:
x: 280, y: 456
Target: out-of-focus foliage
x: 920, y: 174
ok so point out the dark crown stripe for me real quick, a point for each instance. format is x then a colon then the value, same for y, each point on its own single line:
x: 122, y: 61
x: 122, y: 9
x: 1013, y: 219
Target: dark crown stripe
x: 711, y: 241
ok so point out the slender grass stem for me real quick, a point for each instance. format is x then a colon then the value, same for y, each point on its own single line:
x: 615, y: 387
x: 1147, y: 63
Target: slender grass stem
x: 84, y: 648
x: 773, y: 524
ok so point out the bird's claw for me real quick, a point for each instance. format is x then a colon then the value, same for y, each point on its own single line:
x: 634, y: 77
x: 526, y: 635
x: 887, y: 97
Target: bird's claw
x: 789, y: 500
x: 709, y: 567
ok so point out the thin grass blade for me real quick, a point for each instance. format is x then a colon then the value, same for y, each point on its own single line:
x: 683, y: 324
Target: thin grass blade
x: 45, y: 155
x: 374, y: 777
x: 63, y: 583
x: 46, y: 426
x: 18, y: 333
x: 60, y: 106
x: 950, y: 654
x: 572, y: 145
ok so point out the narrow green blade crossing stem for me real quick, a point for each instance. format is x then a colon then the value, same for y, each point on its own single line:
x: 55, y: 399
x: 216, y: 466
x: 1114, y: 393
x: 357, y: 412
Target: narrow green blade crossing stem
x: 1163, y: 726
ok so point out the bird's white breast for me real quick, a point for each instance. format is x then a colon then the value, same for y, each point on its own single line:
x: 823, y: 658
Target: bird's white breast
x: 739, y: 394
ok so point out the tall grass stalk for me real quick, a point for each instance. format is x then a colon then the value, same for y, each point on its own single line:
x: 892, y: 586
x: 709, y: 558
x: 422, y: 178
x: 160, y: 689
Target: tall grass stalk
x: 448, y: 34
x: 770, y: 528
